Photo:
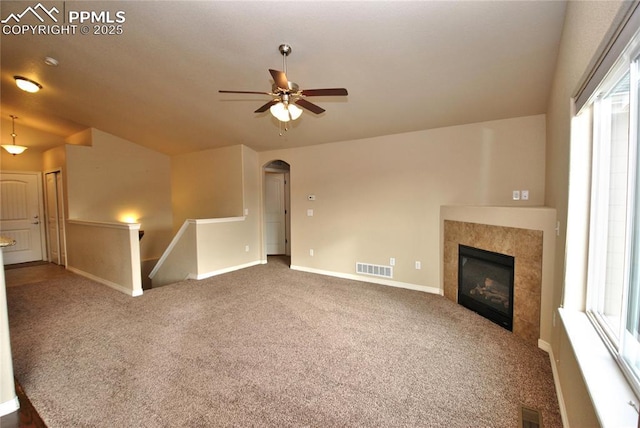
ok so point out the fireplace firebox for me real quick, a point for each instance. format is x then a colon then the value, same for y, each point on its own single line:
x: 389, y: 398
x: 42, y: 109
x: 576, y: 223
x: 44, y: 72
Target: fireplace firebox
x: 485, y: 284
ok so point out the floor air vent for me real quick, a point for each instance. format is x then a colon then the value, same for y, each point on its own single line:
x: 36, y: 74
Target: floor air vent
x: 375, y: 270
x: 530, y: 418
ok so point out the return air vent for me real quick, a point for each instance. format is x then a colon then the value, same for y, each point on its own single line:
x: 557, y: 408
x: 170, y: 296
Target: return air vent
x: 374, y: 270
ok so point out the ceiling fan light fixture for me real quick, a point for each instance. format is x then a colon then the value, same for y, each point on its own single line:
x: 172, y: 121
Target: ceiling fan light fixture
x: 294, y: 111
x: 279, y: 111
x: 285, y: 112
x: 27, y: 85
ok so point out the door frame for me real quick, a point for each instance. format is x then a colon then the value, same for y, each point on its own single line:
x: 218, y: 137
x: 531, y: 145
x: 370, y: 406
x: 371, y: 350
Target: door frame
x: 40, y: 191
x: 287, y: 196
x: 62, y: 237
x: 282, y: 205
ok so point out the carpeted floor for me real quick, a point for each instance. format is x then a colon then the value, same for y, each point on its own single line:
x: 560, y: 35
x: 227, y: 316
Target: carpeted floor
x: 267, y: 346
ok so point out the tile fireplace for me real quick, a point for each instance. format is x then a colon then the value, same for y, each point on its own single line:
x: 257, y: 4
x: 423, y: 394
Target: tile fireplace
x: 523, y: 245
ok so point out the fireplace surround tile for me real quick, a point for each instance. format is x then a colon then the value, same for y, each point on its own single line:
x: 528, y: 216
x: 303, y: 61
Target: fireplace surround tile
x: 523, y: 244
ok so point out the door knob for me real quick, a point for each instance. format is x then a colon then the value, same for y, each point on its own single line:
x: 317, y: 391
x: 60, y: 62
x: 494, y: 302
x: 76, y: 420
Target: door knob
x: 35, y: 222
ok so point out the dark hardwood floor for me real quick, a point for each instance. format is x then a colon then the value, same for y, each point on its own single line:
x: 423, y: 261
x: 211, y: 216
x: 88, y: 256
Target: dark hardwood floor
x: 27, y: 416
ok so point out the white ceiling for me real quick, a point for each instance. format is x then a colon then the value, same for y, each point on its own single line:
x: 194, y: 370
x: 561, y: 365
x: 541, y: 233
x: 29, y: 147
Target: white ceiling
x: 407, y: 66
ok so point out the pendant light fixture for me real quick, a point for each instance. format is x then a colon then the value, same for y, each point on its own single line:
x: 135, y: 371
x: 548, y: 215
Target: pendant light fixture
x: 13, y: 148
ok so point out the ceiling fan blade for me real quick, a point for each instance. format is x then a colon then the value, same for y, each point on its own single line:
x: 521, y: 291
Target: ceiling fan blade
x: 266, y: 106
x: 244, y: 92
x: 280, y: 78
x: 310, y: 106
x: 324, y: 92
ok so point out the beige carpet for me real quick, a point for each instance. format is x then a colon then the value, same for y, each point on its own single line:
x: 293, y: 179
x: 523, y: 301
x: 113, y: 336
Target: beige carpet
x: 267, y: 346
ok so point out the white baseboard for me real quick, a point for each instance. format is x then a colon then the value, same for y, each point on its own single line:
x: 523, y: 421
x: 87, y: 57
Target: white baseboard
x: 546, y: 346
x: 225, y: 270
x: 9, y: 406
x: 132, y: 293
x: 363, y: 278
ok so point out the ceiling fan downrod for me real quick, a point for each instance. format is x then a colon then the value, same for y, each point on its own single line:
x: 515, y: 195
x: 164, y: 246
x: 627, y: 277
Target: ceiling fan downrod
x: 285, y: 50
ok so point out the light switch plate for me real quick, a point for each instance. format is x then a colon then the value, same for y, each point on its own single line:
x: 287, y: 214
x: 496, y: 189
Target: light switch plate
x: 309, y: 213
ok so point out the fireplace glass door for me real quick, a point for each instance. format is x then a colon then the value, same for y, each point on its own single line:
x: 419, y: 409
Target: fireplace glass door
x: 485, y: 284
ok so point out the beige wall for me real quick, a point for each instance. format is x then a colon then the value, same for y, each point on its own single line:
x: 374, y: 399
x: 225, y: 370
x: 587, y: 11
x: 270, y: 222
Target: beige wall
x: 106, y: 252
x: 8, y: 399
x: 30, y: 160
x: 586, y: 24
x: 207, y: 184
x: 115, y: 178
x: 251, y: 199
x: 380, y: 197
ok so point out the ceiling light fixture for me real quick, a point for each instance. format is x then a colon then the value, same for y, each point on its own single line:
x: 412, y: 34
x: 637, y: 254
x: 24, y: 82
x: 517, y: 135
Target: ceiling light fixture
x: 13, y: 148
x: 27, y: 85
x: 284, y: 112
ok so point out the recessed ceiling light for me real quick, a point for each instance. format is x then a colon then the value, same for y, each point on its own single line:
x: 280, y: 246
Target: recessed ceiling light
x: 27, y: 84
x: 51, y: 61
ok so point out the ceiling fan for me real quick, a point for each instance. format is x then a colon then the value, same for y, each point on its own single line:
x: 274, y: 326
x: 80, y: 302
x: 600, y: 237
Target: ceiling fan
x: 287, y: 97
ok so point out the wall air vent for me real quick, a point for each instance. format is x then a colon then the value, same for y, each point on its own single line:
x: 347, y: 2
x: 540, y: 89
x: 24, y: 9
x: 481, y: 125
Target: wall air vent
x: 374, y: 270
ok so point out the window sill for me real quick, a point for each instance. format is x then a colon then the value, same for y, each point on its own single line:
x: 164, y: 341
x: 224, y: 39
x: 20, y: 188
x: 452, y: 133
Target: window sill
x: 607, y: 386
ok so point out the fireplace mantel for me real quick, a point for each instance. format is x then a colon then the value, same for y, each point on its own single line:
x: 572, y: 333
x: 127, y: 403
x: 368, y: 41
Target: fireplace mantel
x: 527, y: 231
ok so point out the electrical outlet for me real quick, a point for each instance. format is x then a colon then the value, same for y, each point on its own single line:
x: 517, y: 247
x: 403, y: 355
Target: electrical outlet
x: 418, y: 265
x: 246, y: 211
x: 246, y: 248
x: 516, y: 195
x: 311, y: 252
x: 524, y: 194
x: 392, y: 261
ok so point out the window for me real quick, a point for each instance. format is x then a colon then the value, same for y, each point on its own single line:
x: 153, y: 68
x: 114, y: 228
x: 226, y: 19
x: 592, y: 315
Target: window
x: 613, y: 300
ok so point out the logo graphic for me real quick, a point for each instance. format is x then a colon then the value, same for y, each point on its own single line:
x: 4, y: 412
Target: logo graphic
x: 34, y: 11
x: 38, y: 20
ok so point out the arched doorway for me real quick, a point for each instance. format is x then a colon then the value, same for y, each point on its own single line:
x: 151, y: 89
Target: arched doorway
x: 277, y: 208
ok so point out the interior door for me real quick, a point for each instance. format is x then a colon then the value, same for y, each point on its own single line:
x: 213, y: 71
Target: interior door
x: 55, y: 217
x: 275, y: 213
x: 20, y: 216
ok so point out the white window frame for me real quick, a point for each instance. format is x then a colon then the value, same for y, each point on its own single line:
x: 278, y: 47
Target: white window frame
x: 614, y: 340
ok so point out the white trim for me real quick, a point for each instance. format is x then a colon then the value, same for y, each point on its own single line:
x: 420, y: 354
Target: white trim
x: 42, y: 219
x: 127, y: 226
x: 9, y: 406
x: 169, y: 249
x: 546, y: 346
x: 217, y: 220
x: 224, y: 270
x: 397, y: 284
x: 132, y: 293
